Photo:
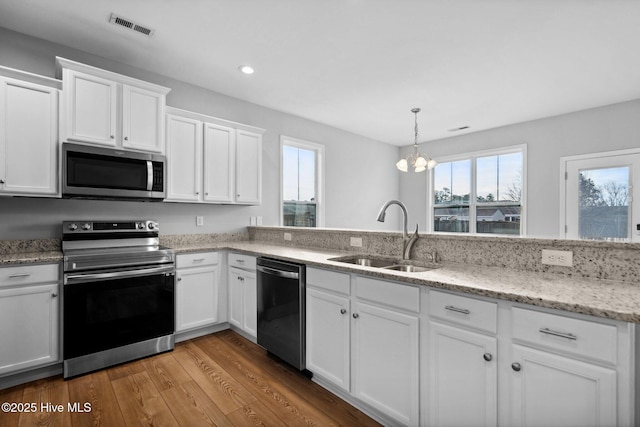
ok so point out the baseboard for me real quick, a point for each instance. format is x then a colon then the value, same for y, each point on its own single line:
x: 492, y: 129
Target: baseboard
x: 244, y: 334
x: 31, y: 375
x: 199, y: 332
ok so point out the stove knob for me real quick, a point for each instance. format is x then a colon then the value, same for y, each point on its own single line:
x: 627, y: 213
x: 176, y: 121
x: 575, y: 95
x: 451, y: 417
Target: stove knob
x: 141, y: 226
x: 86, y: 226
x: 151, y: 226
x: 72, y: 227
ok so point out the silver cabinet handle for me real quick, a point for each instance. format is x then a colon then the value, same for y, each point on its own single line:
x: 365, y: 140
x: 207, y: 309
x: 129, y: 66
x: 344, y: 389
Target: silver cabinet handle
x: 53, y: 295
x: 356, y: 315
x: 343, y: 311
x: 1, y: 181
x: 240, y: 261
x: 126, y: 138
x: 488, y: 357
x: 18, y: 275
x: 558, y: 334
x: 112, y: 137
x: 198, y: 259
x: 516, y: 366
x: 179, y: 279
x: 457, y: 310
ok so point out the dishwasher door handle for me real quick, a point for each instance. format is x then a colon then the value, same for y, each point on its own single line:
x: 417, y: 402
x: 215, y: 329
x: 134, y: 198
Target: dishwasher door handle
x: 279, y: 273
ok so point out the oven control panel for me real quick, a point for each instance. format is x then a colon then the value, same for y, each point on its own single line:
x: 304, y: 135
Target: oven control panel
x: 76, y: 227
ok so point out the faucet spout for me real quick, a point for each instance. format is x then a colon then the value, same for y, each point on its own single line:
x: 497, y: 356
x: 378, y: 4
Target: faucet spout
x: 407, y: 242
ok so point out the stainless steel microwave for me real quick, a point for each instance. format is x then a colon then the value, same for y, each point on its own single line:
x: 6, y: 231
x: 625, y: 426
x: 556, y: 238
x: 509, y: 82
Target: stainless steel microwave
x: 111, y: 173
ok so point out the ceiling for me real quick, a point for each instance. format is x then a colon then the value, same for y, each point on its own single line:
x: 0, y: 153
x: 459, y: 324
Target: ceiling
x: 361, y: 65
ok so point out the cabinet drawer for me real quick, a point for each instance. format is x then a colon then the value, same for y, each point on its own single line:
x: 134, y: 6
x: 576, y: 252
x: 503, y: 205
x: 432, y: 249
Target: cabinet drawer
x: 196, y: 259
x: 575, y: 336
x: 28, y: 274
x: 329, y: 280
x: 471, y: 312
x: 246, y: 262
x: 390, y: 294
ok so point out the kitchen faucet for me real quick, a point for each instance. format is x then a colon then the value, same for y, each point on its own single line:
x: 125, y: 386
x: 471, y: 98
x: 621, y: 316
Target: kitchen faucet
x: 407, y: 242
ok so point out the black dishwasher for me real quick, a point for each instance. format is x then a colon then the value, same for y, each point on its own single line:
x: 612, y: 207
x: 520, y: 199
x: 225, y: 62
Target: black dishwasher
x: 281, y: 310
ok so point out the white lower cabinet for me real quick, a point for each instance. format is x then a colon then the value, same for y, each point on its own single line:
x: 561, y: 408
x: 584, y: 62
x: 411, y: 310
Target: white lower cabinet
x: 478, y: 362
x: 365, y: 341
x: 463, y: 368
x: 243, y: 303
x: 328, y: 337
x: 197, y: 290
x: 29, y: 317
x: 550, y: 390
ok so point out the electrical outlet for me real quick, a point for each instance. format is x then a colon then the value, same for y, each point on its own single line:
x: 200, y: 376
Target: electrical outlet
x: 253, y: 220
x: 259, y: 220
x: 287, y: 236
x: 199, y: 221
x: 562, y: 258
x: 356, y: 241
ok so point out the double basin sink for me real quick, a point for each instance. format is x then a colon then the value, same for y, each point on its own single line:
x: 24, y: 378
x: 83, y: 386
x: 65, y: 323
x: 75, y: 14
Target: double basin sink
x: 406, y: 266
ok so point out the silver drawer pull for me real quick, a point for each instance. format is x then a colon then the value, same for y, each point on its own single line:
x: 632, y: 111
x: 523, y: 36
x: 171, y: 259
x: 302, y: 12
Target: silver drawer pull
x: 240, y: 261
x: 15, y: 276
x: 457, y: 310
x: 198, y: 260
x: 558, y: 334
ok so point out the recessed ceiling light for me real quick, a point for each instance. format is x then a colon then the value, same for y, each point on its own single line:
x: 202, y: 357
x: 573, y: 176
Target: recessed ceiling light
x: 246, y: 69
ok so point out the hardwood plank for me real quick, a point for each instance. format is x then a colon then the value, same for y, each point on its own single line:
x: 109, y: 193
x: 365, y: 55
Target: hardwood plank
x: 96, y: 390
x: 141, y: 403
x: 47, y: 395
x: 309, y: 391
x: 255, y: 414
x: 165, y: 371
x: 259, y: 379
x: 11, y: 395
x: 126, y: 369
x: 192, y: 407
x: 221, y: 387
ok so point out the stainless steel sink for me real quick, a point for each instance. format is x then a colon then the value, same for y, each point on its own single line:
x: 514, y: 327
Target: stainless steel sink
x: 384, y: 263
x: 366, y: 261
x: 408, y: 268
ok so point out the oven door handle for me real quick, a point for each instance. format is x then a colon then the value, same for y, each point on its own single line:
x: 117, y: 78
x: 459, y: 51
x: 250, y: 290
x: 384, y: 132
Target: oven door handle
x: 279, y: 273
x: 70, y: 279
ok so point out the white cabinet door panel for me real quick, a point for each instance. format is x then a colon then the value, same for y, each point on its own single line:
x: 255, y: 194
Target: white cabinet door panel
x: 219, y: 161
x: 184, y: 156
x: 142, y: 119
x: 248, y: 167
x: 196, y: 297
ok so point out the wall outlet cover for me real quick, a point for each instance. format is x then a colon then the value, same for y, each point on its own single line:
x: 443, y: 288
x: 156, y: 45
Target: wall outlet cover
x: 199, y: 221
x: 356, y: 242
x: 287, y: 236
x: 562, y: 258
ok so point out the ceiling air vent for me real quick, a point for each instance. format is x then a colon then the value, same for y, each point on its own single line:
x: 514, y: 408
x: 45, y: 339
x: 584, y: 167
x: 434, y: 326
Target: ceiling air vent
x: 129, y: 24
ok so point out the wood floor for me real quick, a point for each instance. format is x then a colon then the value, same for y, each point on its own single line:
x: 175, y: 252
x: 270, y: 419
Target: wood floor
x: 221, y: 379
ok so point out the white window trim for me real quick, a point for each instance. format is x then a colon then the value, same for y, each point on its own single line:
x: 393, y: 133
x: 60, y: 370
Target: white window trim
x: 520, y: 148
x: 319, y: 149
x: 563, y: 179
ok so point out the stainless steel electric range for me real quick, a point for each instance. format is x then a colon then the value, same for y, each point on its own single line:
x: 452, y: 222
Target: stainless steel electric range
x: 118, y: 294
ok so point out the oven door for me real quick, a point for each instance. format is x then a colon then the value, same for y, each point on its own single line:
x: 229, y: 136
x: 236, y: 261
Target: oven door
x: 108, y: 309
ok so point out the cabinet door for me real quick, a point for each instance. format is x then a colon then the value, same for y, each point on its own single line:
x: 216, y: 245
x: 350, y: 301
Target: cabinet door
x: 248, y: 167
x: 550, y: 390
x: 28, y: 140
x: 328, y: 337
x: 142, y: 119
x: 385, y: 361
x: 219, y: 160
x: 235, y: 290
x: 250, y: 303
x: 462, y: 368
x: 184, y: 157
x: 90, y: 106
x: 28, y: 327
x: 196, y: 297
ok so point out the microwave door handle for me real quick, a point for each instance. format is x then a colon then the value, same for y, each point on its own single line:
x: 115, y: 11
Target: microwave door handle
x: 149, y: 175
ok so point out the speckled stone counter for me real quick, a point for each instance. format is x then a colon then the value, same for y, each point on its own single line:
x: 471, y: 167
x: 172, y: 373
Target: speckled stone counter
x: 615, y: 299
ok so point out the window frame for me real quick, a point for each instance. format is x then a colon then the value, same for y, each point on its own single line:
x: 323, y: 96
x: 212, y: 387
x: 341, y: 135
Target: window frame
x: 473, y: 202
x: 319, y: 177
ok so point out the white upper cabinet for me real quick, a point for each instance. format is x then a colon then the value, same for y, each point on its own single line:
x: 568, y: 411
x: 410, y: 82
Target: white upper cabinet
x: 248, y: 167
x: 184, y: 157
x: 110, y: 109
x: 212, y: 160
x: 28, y: 137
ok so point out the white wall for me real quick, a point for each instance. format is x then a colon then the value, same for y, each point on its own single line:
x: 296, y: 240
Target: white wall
x: 613, y: 127
x: 360, y: 173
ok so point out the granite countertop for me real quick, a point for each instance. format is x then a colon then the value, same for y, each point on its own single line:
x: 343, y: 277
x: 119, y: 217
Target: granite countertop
x: 604, y: 298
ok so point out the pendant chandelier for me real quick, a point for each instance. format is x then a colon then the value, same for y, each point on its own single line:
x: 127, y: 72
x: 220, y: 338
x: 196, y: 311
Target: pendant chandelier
x: 419, y: 162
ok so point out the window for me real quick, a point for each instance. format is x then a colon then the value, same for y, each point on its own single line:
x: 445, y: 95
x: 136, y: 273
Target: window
x: 301, y: 183
x: 599, y: 196
x: 479, y: 193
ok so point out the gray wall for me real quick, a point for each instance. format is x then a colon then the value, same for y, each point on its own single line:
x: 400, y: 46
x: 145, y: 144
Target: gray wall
x: 609, y: 128
x: 360, y: 174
